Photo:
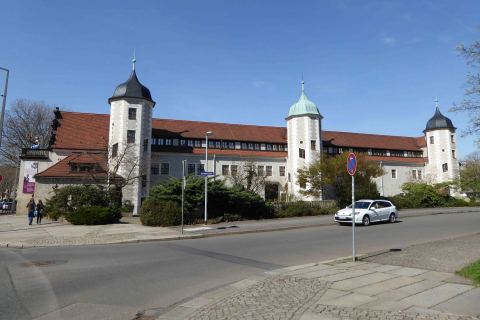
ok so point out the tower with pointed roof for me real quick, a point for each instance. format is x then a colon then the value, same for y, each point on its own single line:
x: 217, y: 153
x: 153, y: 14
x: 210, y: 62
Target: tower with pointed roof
x: 304, y: 135
x: 130, y: 135
x: 441, y: 141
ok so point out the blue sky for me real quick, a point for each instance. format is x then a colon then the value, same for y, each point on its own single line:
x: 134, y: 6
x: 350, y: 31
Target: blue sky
x: 370, y: 66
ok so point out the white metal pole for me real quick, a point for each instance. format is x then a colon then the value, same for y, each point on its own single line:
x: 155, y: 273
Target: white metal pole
x: 381, y: 167
x: 183, y: 187
x: 206, y: 177
x: 353, y: 218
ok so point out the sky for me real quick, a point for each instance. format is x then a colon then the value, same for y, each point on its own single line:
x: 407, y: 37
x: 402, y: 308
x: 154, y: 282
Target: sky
x: 370, y: 66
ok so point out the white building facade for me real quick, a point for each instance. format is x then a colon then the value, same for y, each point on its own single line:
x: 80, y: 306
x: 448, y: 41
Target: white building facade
x: 93, y: 148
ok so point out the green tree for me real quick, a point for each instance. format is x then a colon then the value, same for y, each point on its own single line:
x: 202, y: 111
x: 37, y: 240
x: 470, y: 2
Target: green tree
x: 471, y: 101
x: 248, y: 177
x: 331, y: 172
x: 469, y: 180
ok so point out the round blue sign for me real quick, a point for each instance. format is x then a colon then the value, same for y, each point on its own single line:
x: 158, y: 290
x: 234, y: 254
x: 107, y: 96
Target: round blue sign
x: 351, y: 164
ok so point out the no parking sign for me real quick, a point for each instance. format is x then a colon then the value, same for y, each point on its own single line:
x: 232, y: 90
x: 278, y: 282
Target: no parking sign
x: 351, y: 164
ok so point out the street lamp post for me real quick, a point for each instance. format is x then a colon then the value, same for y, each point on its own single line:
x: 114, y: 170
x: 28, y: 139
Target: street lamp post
x: 4, y: 95
x: 208, y: 133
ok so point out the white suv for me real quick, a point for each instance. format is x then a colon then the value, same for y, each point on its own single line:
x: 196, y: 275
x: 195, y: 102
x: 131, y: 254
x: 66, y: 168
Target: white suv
x: 367, y: 211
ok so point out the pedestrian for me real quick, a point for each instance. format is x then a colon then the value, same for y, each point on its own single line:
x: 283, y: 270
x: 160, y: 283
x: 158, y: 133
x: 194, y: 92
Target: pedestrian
x: 31, y: 210
x: 40, y: 208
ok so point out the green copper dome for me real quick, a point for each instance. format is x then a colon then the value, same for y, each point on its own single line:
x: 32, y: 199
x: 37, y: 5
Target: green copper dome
x: 303, y: 106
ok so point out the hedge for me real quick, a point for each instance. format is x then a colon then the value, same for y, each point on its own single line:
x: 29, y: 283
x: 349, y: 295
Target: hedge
x: 93, y: 216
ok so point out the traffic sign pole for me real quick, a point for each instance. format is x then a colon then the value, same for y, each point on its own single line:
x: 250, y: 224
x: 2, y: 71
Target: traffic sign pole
x: 184, y: 162
x: 353, y: 218
x: 351, y: 169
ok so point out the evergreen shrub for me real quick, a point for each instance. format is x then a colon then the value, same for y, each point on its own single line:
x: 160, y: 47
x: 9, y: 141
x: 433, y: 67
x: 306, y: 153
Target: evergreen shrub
x: 94, y: 215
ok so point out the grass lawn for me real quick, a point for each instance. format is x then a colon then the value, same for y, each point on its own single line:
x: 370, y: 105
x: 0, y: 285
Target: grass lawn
x: 471, y: 271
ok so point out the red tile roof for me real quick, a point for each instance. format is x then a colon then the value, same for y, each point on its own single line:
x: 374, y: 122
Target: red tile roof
x: 63, y: 169
x: 365, y: 140
x: 87, y: 131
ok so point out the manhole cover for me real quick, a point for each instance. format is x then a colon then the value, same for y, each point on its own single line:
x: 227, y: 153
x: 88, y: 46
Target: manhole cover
x: 42, y: 263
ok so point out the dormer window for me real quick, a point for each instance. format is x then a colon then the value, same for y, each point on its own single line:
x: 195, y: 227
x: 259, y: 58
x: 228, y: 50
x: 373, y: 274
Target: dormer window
x: 82, y: 167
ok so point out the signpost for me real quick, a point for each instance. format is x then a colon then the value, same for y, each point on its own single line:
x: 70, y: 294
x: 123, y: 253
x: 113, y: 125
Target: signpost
x: 351, y: 169
x: 184, y: 183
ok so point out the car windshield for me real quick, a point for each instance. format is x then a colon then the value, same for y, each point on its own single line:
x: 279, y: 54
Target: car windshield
x: 361, y: 205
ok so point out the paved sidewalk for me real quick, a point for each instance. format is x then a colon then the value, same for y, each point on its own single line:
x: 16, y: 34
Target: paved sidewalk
x: 336, y: 290
x: 16, y: 233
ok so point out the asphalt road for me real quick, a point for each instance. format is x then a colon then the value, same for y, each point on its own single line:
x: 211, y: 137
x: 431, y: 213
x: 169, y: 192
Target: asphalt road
x: 162, y: 274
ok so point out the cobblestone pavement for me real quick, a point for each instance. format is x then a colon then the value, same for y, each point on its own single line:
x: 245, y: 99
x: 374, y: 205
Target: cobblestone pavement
x: 321, y: 311
x: 280, y: 298
x: 338, y: 290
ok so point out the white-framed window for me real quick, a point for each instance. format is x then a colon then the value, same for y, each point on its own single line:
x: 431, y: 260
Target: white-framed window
x: 414, y: 174
x: 394, y: 173
x: 175, y: 142
x: 301, y: 153
x: 313, y: 144
x: 269, y: 147
x: 130, y: 136
x: 419, y: 174
x: 234, y: 169
x: 198, y: 143
x: 165, y: 168
x: 452, y: 138
x: 432, y: 140
x: 218, y: 144
x: 168, y: 142
x: 191, y: 168
x: 132, y: 114
x: 225, y: 170
x: 190, y: 142
x: 260, y: 170
x: 231, y: 145
x: 282, y: 171
x: 268, y: 171
x: 454, y: 156
x: 155, y: 169
x: 445, y: 167
x: 114, y: 150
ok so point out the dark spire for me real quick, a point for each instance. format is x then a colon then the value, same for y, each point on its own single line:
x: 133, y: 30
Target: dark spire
x: 439, y: 121
x: 132, y: 88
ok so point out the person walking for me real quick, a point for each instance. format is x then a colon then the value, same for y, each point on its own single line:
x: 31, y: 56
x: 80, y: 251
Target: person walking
x: 31, y: 210
x: 40, y: 208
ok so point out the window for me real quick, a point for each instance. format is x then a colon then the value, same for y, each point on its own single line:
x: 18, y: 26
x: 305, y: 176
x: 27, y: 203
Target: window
x: 183, y: 142
x: 269, y: 171
x: 452, y: 138
x: 313, y: 144
x: 211, y: 144
x: 198, y: 143
x: 275, y: 147
x: 444, y: 167
x: 175, y: 142
x: 132, y: 114
x: 144, y: 181
x: 414, y: 174
x: 250, y: 146
x: 260, y: 170
x: 145, y: 145
x: 130, y: 136
x: 431, y: 140
x: 269, y: 147
x: 190, y: 143
x: 244, y: 146
x: 161, y: 141
x: 154, y: 169
x: 289, y: 177
x: 282, y: 171
x: 200, y: 169
x: 301, y: 153
x: 190, y: 168
x: 397, y: 153
x: 225, y: 170
x: 168, y: 142
x: 394, y: 174
x: 231, y: 145
x: 233, y: 169
x: 114, y: 150
x: 218, y: 144
x: 165, y: 169
x: 381, y: 152
x: 419, y: 174
x: 453, y: 154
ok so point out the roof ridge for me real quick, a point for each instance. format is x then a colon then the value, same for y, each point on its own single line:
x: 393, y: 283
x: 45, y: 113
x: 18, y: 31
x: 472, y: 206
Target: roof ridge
x: 373, y: 134
x: 225, y: 123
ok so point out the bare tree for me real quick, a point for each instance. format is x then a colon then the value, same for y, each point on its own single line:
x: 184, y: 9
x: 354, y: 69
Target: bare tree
x: 25, y: 121
x: 249, y: 177
x: 8, y: 181
x: 471, y: 101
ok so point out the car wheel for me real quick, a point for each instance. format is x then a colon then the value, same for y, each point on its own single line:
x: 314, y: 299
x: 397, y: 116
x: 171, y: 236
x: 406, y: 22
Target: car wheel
x: 366, y: 220
x: 392, y: 218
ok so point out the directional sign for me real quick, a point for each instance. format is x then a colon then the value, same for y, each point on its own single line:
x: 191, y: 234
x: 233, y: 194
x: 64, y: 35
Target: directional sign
x: 351, y: 164
x: 207, y: 173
